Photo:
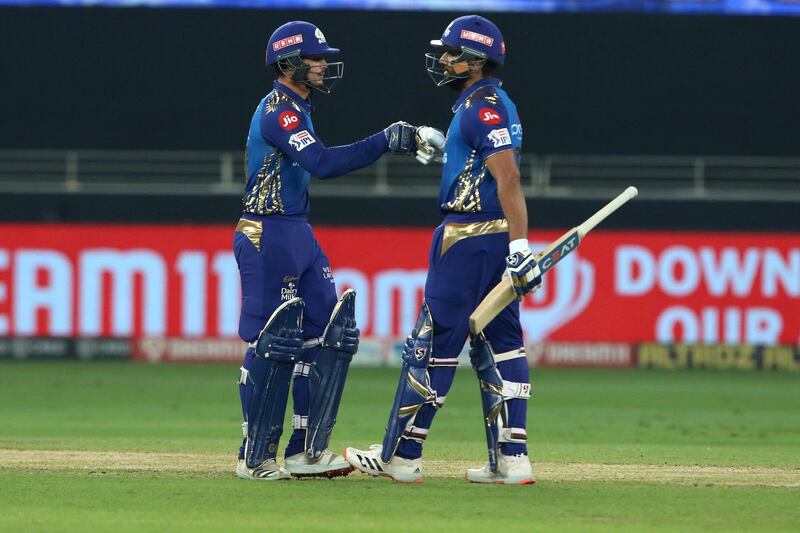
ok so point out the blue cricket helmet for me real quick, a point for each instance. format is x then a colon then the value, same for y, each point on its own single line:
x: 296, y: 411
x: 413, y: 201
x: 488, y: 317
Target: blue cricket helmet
x: 476, y: 35
x: 297, y: 38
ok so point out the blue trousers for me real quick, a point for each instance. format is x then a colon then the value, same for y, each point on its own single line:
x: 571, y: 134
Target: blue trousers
x: 460, y: 274
x: 279, y: 258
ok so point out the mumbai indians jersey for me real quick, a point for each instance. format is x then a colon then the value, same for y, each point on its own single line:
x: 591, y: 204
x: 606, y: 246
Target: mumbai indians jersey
x: 485, y: 123
x: 280, y: 128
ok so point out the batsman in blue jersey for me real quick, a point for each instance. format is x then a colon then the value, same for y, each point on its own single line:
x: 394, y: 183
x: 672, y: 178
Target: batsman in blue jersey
x: 300, y: 334
x: 482, y: 238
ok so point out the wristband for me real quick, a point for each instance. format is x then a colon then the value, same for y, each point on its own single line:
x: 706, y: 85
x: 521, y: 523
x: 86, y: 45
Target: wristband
x: 518, y: 245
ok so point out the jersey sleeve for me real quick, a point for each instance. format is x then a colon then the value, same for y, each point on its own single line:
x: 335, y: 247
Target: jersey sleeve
x: 485, y: 126
x: 289, y: 130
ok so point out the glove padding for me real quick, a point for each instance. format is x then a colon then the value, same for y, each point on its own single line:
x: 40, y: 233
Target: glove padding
x: 430, y: 145
x: 401, y: 136
x: 524, y: 272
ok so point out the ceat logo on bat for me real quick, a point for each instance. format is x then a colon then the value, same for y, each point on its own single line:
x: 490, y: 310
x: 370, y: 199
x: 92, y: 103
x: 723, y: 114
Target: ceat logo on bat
x: 288, y: 120
x: 289, y: 41
x: 489, y: 116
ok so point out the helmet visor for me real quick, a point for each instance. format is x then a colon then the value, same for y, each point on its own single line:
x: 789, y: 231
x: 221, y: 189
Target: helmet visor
x: 332, y: 74
x: 439, y: 71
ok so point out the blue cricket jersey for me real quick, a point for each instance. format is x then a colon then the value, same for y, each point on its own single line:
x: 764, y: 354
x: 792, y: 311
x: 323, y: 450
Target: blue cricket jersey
x: 486, y: 122
x: 283, y: 152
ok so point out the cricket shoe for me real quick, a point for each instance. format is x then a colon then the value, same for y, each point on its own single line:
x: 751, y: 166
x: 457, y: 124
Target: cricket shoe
x: 511, y: 470
x: 328, y: 465
x: 266, y: 471
x: 399, y: 469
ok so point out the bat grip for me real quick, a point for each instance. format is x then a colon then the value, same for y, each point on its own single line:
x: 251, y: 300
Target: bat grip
x: 610, y: 207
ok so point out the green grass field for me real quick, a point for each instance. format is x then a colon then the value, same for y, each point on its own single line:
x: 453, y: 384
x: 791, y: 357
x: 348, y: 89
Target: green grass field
x: 118, y: 446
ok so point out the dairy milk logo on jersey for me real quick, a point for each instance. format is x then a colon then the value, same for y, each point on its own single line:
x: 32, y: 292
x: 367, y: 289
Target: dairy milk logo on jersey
x: 499, y: 137
x: 288, y: 292
x: 566, y: 291
x: 289, y: 41
x: 301, y: 139
x: 288, y: 120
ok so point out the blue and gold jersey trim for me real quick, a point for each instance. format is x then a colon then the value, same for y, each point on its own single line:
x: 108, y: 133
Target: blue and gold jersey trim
x: 467, y: 195
x: 264, y: 198
x: 252, y: 229
x: 454, y: 232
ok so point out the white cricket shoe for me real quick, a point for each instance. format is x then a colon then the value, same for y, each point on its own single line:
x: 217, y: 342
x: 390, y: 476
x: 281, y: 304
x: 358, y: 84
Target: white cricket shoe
x: 328, y: 465
x: 399, y: 469
x: 266, y: 471
x: 511, y: 470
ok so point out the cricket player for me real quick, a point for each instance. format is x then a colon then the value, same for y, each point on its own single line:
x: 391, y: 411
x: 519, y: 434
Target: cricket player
x: 290, y: 315
x: 483, y: 237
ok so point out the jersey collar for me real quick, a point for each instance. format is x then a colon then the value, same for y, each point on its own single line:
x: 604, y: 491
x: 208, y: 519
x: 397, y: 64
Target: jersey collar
x: 474, y: 87
x: 299, y: 100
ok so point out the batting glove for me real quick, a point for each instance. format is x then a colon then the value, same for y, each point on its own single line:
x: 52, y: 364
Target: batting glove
x: 430, y: 145
x: 524, y: 272
x: 401, y: 137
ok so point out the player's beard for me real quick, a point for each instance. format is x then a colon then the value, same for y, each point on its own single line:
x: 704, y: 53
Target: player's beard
x: 457, y: 85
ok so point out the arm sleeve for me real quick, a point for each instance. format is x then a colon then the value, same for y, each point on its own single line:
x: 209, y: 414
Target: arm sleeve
x: 290, y: 132
x: 485, y: 126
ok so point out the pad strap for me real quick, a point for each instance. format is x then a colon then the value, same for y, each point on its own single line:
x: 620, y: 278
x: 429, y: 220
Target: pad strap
x: 312, y: 343
x: 513, y: 389
x: 439, y: 402
x: 299, y: 422
x: 511, y: 354
x: 415, y: 433
x: 515, y: 435
x: 451, y: 361
x: 302, y: 369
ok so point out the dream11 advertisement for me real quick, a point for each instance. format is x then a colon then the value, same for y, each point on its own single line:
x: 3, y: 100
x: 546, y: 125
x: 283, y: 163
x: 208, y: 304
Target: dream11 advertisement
x: 179, y: 284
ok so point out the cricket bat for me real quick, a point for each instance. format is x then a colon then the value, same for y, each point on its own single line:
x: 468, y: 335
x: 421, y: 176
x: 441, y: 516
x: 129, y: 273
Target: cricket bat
x: 503, y: 294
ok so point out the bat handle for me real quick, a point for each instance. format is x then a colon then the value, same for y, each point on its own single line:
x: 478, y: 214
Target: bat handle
x: 610, y: 207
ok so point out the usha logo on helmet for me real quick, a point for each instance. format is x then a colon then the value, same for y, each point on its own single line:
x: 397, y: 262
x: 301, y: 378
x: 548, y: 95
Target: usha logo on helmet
x: 289, y: 41
x: 477, y: 37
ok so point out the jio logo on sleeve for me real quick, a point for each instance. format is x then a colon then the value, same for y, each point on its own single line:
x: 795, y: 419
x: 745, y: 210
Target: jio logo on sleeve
x: 489, y: 116
x: 288, y: 120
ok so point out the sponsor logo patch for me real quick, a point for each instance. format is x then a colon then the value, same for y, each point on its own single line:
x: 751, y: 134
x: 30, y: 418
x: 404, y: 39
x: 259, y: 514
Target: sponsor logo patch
x: 288, y: 292
x: 489, y: 116
x: 289, y: 41
x: 301, y: 139
x: 288, y: 120
x: 499, y: 137
x: 477, y: 37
